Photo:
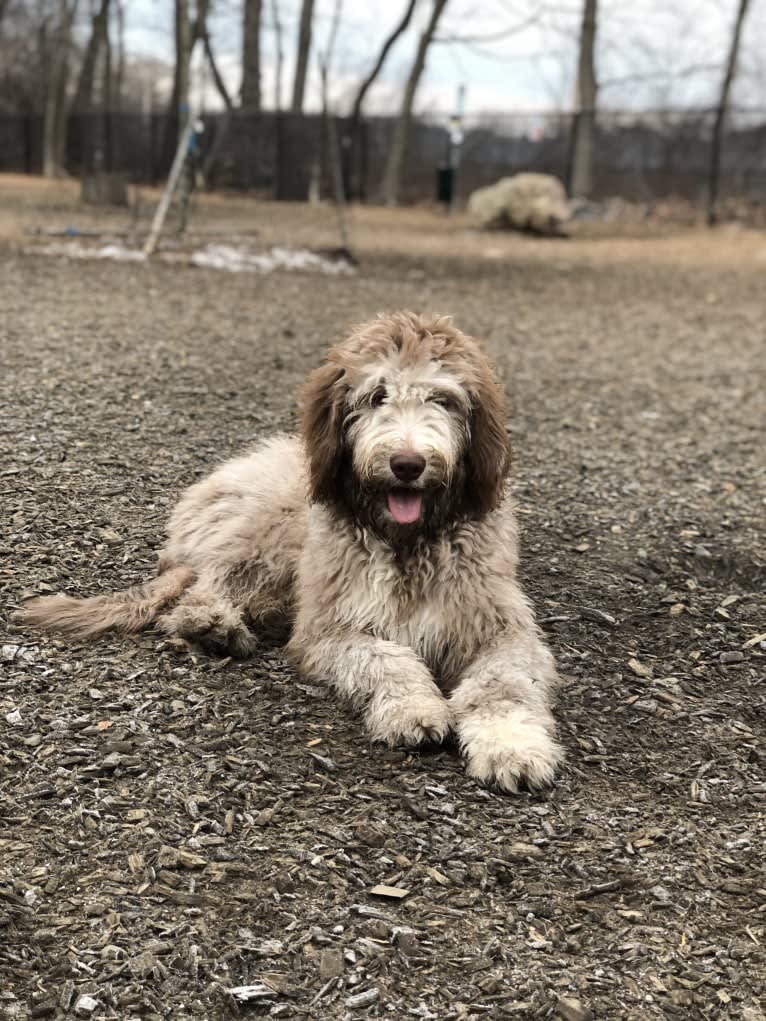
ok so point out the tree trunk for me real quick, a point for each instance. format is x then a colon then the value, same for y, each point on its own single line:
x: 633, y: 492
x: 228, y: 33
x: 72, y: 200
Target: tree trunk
x: 302, y: 61
x: 584, y: 123
x: 280, y: 55
x: 54, y: 122
x: 352, y: 148
x: 106, y: 101
x: 184, y: 39
x: 119, y: 77
x: 83, y: 97
x: 720, y: 116
x: 393, y: 173
x: 251, y: 56
x: 179, y: 97
x: 331, y: 135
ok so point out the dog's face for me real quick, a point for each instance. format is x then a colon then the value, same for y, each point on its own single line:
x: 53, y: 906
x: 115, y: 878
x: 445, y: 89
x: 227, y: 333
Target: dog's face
x: 405, y: 427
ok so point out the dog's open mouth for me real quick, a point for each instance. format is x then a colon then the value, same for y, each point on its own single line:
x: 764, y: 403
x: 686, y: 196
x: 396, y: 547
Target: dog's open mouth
x: 404, y: 505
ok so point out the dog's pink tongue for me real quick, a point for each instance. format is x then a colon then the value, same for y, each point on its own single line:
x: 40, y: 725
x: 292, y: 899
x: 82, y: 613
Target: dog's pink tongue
x: 404, y: 505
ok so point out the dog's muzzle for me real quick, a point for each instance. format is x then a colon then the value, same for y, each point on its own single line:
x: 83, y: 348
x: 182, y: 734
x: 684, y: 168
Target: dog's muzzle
x: 405, y: 504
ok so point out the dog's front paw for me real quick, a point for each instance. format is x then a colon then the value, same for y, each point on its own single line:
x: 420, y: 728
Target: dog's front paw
x: 412, y: 718
x: 509, y: 748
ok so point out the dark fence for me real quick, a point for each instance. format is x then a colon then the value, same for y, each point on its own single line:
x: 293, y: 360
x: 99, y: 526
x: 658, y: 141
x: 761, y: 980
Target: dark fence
x: 638, y: 156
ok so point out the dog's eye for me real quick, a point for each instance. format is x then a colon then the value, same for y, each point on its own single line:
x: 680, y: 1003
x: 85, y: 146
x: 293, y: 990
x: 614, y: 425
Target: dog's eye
x: 443, y: 400
x: 377, y: 396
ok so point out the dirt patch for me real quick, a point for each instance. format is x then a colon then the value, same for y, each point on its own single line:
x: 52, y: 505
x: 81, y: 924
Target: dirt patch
x: 176, y: 827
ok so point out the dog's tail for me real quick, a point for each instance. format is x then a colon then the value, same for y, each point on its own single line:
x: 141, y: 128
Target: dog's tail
x: 125, y: 612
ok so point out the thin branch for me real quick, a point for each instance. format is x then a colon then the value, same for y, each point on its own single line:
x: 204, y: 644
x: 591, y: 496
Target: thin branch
x: 645, y: 76
x: 325, y: 59
x: 218, y: 81
x: 491, y: 37
x: 223, y: 126
x: 401, y: 27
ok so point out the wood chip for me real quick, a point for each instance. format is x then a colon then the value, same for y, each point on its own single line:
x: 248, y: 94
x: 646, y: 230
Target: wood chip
x: 172, y: 858
x: 331, y: 964
x: 363, y: 999
x: 640, y: 669
x: 598, y: 888
x: 255, y: 991
x: 598, y: 616
x: 572, y: 1009
x: 393, y: 892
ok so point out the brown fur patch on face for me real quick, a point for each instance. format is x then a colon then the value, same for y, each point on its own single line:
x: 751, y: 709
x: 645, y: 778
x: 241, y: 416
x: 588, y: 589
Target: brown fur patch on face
x: 488, y: 459
x: 410, y: 340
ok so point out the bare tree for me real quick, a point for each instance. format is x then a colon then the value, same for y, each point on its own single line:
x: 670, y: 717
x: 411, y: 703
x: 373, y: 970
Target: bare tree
x: 352, y: 147
x: 393, y: 172
x: 720, y: 116
x: 250, y: 92
x: 56, y: 106
x: 584, y: 122
x: 302, y: 60
x: 83, y: 97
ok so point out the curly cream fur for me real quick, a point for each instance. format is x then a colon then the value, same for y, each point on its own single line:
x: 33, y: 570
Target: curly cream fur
x: 421, y: 625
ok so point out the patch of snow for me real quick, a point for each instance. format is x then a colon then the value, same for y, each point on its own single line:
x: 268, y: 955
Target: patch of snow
x: 228, y: 258
x: 236, y: 260
x: 77, y: 250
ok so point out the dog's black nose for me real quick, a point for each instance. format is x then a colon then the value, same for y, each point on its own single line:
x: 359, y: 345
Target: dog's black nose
x: 407, y: 466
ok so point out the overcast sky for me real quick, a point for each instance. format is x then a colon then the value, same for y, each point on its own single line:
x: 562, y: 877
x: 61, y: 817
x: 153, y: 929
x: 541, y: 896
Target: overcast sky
x: 511, y: 55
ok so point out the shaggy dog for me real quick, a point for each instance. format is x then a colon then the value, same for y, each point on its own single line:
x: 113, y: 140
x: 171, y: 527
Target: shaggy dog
x: 386, y: 537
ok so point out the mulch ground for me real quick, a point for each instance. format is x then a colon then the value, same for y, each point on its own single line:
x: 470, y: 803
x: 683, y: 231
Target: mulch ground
x: 175, y: 827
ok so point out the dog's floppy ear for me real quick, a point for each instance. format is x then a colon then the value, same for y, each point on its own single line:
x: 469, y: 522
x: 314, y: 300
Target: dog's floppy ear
x: 322, y: 426
x: 488, y: 458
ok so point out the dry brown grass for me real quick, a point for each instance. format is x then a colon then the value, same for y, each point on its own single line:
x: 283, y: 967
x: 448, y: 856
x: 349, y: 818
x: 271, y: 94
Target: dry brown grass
x: 29, y: 203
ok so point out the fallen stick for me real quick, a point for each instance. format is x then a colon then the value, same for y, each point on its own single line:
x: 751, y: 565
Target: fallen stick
x: 170, y: 187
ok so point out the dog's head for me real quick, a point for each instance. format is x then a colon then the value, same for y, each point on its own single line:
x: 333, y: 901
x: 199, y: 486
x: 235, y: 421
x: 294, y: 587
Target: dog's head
x: 404, y: 426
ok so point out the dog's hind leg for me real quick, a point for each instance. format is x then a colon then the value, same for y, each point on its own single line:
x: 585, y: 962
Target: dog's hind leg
x: 228, y: 606
x: 207, y: 616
